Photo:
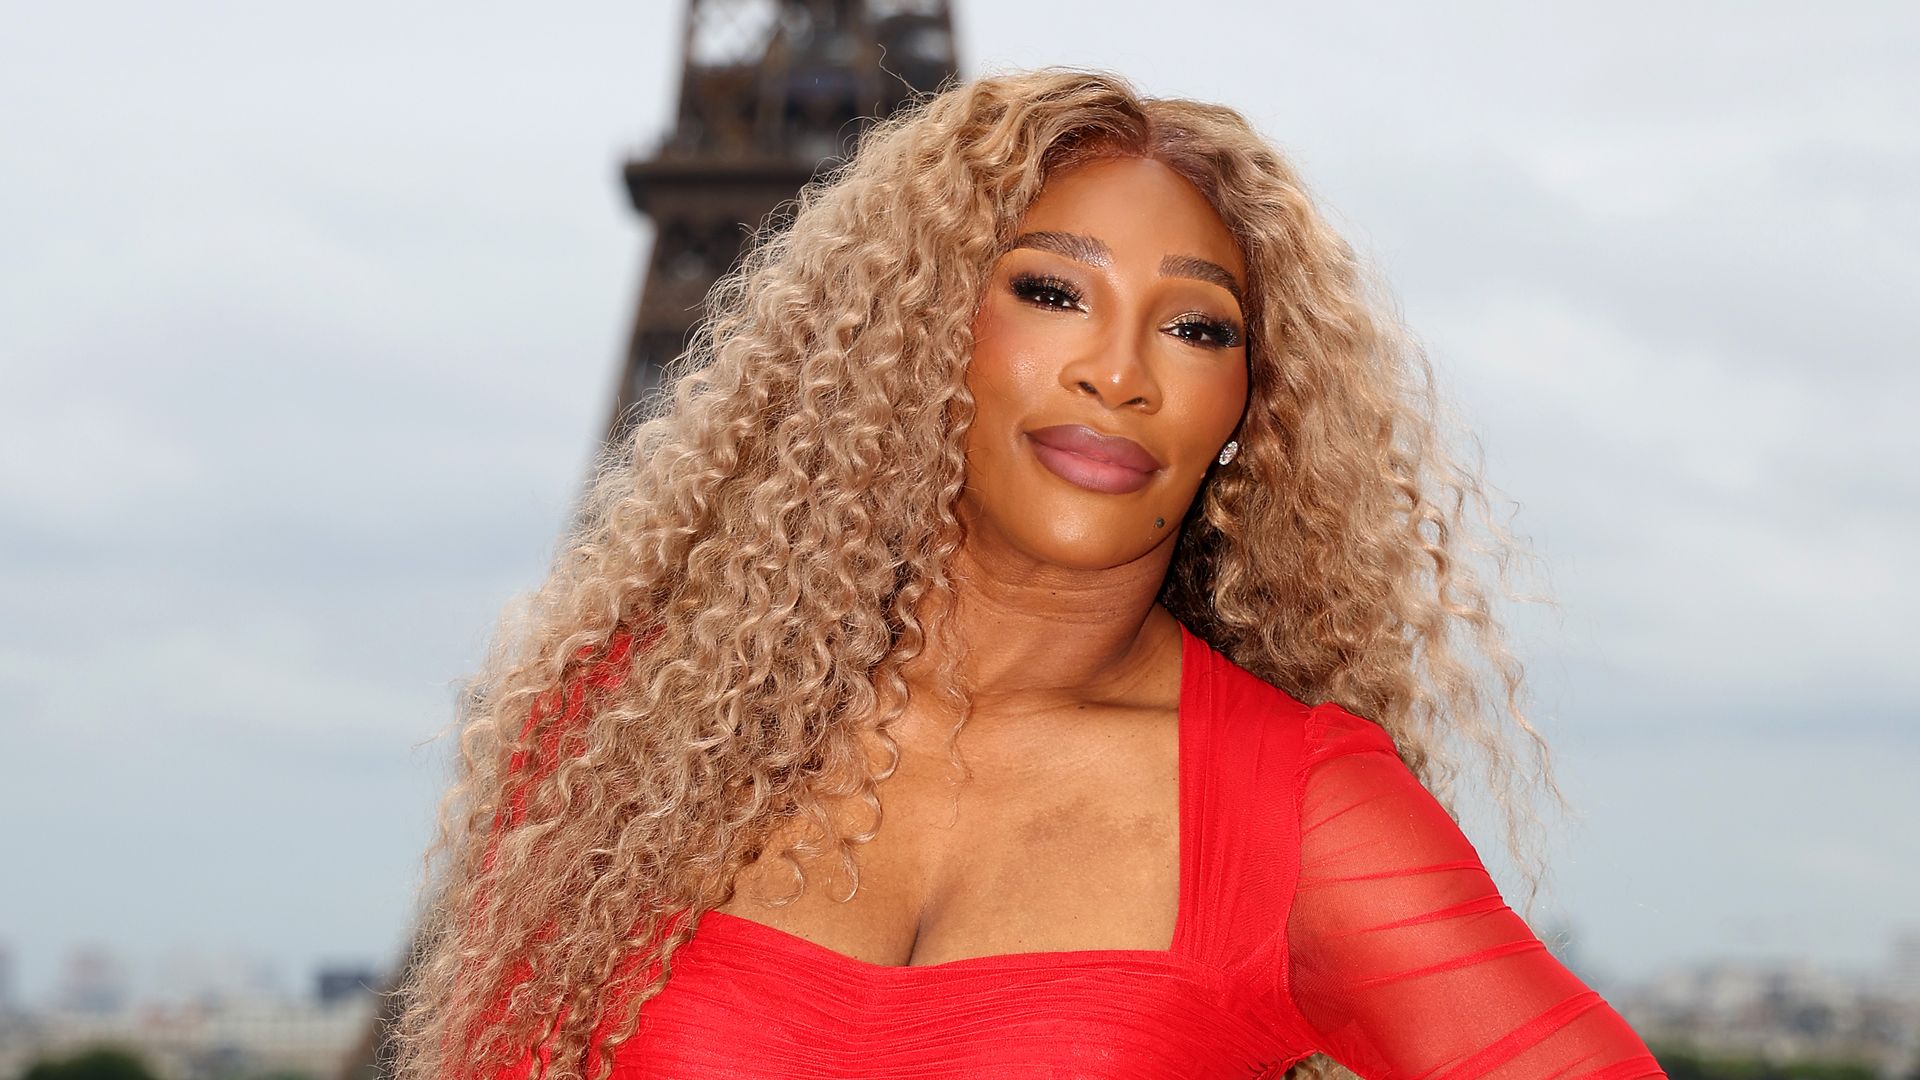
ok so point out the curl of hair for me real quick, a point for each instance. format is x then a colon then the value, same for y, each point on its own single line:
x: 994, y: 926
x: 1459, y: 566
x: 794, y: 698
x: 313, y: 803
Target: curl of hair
x: 774, y: 530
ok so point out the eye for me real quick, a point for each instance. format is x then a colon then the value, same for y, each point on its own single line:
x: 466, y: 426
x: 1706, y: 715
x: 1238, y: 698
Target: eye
x: 1046, y: 291
x: 1203, y: 330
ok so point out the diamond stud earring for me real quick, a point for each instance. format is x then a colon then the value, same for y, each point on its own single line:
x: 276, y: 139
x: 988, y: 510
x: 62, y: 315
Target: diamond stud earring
x: 1227, y: 451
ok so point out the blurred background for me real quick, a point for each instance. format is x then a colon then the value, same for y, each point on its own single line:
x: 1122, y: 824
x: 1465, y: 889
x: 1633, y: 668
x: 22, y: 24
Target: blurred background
x: 311, y: 317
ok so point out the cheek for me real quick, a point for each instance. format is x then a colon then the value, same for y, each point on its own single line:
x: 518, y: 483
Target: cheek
x: 1234, y: 399
x: 1211, y: 404
x: 988, y: 382
x: 1002, y: 373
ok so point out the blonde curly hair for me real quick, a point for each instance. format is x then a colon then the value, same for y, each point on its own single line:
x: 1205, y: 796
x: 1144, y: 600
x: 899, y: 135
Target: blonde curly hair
x: 725, y: 624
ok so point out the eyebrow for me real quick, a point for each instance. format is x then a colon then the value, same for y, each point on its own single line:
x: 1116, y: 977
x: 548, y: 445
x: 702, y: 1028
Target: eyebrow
x: 1187, y: 266
x: 1090, y: 250
x: 1086, y: 249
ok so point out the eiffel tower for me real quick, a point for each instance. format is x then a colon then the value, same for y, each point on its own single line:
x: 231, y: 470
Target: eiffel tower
x: 771, y: 93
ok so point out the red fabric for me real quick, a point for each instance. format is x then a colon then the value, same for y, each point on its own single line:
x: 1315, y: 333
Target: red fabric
x: 1327, y: 903
x: 1404, y: 960
x: 524, y: 769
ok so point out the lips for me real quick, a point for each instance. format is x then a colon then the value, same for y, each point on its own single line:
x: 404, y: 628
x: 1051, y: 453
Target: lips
x: 1084, y: 457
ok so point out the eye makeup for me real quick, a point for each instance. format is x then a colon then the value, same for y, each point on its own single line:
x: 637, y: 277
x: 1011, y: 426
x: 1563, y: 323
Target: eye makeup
x: 1046, y: 291
x: 1225, y: 335
x: 1058, y: 294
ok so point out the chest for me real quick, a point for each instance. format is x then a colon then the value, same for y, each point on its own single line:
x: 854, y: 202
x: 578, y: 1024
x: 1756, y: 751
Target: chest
x: 1021, y: 927
x: 743, y: 1004
x: 1068, y: 840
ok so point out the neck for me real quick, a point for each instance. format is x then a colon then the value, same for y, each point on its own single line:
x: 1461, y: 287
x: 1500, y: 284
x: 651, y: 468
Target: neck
x: 1033, y: 634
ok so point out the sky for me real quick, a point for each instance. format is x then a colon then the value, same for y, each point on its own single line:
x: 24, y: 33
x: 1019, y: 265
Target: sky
x: 310, y: 316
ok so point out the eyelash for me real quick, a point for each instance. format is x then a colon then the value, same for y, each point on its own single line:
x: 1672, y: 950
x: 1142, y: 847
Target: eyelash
x: 1225, y: 336
x: 1033, y: 287
x: 1028, y: 287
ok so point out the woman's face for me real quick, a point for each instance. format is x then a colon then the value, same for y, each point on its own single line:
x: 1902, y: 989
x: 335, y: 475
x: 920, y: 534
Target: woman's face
x: 1109, y: 366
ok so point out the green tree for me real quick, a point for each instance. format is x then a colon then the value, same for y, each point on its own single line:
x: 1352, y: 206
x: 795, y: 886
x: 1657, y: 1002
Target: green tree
x: 1828, y: 1070
x: 1682, y: 1064
x: 99, y: 1063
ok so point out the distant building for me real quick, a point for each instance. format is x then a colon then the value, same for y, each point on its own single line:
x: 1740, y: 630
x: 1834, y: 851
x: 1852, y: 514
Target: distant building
x: 1904, y: 967
x: 216, y: 978
x: 334, y: 985
x: 8, y: 1002
x: 93, y: 981
x: 1779, y: 1012
x: 197, y: 1042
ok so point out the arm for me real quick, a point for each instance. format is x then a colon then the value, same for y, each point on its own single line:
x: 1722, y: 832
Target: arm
x: 1404, y: 958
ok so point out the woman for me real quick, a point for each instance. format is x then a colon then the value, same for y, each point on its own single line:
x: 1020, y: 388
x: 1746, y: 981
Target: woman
x: 1021, y: 647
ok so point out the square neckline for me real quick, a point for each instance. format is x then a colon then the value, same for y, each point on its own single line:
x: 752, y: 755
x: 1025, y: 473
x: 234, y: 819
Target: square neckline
x: 1194, y: 670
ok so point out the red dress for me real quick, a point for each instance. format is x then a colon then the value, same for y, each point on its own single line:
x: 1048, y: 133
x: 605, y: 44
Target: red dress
x: 1327, y: 903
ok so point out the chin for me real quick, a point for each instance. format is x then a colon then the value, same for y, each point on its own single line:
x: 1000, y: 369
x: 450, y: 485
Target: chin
x: 1090, y: 544
x: 1067, y: 530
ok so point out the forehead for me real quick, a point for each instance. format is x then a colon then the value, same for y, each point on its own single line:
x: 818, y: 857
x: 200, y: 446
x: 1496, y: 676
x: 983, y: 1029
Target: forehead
x: 1138, y: 207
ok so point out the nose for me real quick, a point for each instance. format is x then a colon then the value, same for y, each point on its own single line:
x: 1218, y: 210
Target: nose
x: 1114, y: 368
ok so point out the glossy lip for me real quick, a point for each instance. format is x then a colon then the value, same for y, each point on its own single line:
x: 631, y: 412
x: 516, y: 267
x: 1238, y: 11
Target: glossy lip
x: 1085, y: 458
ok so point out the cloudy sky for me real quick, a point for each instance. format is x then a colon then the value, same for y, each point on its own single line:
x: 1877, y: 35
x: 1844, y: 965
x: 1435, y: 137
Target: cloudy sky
x: 309, y: 315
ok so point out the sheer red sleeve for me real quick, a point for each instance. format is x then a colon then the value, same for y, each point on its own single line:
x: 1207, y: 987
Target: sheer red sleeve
x: 1405, y: 960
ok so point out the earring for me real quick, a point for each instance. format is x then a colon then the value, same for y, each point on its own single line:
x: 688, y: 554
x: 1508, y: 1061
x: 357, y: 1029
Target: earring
x: 1227, y: 451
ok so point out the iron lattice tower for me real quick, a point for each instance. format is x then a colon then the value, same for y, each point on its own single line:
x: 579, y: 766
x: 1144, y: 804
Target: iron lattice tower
x: 771, y: 91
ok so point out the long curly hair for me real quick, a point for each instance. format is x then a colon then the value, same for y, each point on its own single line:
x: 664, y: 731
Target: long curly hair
x: 725, y: 624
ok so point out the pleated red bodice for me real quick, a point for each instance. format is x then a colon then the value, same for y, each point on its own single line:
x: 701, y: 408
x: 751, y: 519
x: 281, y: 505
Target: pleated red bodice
x: 1327, y: 903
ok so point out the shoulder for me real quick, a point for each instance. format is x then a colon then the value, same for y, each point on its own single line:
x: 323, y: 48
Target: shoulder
x: 1335, y: 732
x: 1244, y: 707
x: 1237, y: 698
